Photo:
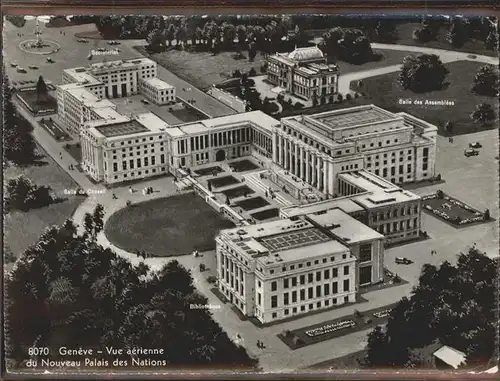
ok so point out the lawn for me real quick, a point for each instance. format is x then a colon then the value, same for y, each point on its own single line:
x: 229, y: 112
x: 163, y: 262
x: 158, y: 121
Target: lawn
x: 202, y: 69
x: 21, y: 230
x: 388, y: 58
x: 384, y: 91
x: 208, y: 170
x: 220, y: 182
x: 183, y: 223
x: 238, y: 191
x: 252, y: 203
x: 405, y: 32
x: 350, y: 361
x: 30, y: 98
x: 266, y: 214
x: 243, y: 165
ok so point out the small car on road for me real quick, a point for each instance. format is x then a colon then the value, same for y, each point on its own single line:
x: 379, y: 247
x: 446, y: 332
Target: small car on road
x: 471, y: 152
x: 21, y: 70
x: 13, y: 64
x: 49, y: 60
x: 83, y: 40
x: 33, y: 67
x: 475, y: 145
x: 403, y: 261
x: 146, y: 102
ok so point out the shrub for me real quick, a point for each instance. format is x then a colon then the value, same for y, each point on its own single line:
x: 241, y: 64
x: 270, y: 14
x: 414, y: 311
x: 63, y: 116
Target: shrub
x: 340, y: 97
x: 252, y: 72
x: 236, y: 74
x: 356, y: 95
x: 357, y: 313
x: 487, y: 215
x: 299, y: 105
x: 348, y: 97
x: 397, y: 279
x: 440, y: 194
x: 212, y: 279
x: 287, y: 333
x: 298, y: 341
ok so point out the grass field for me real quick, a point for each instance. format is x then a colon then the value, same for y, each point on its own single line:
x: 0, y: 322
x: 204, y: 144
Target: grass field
x: 388, y: 58
x: 405, y: 32
x: 350, y: 361
x: 202, y: 69
x: 21, y: 230
x: 384, y: 91
x: 182, y: 223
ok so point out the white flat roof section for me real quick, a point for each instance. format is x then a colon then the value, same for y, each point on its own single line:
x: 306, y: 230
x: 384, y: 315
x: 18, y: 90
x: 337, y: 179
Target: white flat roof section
x: 158, y: 84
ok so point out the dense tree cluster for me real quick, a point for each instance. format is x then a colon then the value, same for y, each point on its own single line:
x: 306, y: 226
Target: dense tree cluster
x: 347, y: 44
x: 18, y: 21
x: 454, y: 305
x: 18, y: 143
x: 66, y: 290
x: 41, y: 90
x: 422, y: 73
x: 428, y: 31
x: 486, y: 81
x: 484, y: 113
x: 22, y: 194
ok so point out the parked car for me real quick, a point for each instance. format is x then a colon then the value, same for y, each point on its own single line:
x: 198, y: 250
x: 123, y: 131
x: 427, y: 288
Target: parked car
x: 475, y: 145
x: 101, y: 49
x: 471, y: 152
x: 473, y: 56
x: 33, y: 67
x: 146, y: 102
x: 49, y: 60
x: 21, y: 70
x: 83, y: 40
x: 403, y: 261
x: 13, y: 64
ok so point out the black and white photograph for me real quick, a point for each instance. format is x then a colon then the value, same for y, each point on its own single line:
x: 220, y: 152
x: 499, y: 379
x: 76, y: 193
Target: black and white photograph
x: 251, y: 193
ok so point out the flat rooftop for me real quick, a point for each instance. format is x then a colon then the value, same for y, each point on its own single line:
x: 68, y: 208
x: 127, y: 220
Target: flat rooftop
x: 294, y: 239
x: 159, y: 84
x: 82, y: 94
x: 107, y: 113
x: 345, y: 227
x: 257, y: 118
x: 121, y: 128
x: 81, y: 75
x: 344, y: 203
x: 354, y: 116
x: 367, y: 181
x: 124, y: 64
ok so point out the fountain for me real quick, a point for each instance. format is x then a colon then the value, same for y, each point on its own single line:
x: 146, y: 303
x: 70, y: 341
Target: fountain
x: 39, y: 45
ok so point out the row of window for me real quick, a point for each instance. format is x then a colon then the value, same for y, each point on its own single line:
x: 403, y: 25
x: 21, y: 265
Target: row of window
x: 294, y: 281
x: 320, y: 304
x: 294, y: 296
x: 398, y: 226
x: 140, y: 163
x: 395, y: 213
x: 132, y: 174
x: 301, y: 265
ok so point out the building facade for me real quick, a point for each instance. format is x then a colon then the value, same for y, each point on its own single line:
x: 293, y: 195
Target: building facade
x: 317, y: 148
x: 304, y: 73
x: 157, y: 91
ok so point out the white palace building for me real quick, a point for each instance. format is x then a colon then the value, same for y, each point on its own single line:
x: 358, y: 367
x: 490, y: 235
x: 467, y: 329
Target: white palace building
x: 318, y: 254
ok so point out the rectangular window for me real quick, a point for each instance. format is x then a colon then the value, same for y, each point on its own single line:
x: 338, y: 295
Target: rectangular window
x: 285, y: 299
x: 115, y: 167
x: 318, y: 291
x: 285, y: 283
x: 274, y: 301
x: 294, y: 297
x: 346, y: 270
x: 302, y: 294
x: 274, y: 286
x: 310, y: 278
x: 346, y: 285
x: 326, y: 287
x: 294, y: 281
x: 162, y: 159
x: 365, y: 252
x: 310, y: 293
x: 335, y: 273
x: 326, y: 274
x: 318, y: 276
x: 335, y: 288
x: 302, y: 279
x: 138, y: 162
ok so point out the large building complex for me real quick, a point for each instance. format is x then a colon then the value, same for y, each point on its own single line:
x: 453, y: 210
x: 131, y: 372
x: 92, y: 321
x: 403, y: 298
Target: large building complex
x: 284, y: 268
x: 112, y: 146
x: 317, y: 148
x: 304, y: 73
x: 85, y: 92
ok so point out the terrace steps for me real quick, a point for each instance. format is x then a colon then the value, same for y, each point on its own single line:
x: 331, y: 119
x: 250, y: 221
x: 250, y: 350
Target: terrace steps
x: 253, y: 179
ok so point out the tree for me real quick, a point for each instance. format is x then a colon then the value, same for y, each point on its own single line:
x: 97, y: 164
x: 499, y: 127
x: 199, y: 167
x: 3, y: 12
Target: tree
x: 422, y: 73
x: 486, y: 81
x: 386, y: 31
x: 376, y: 347
x: 252, y: 72
x: 458, y: 33
x: 448, y: 127
x: 454, y: 305
x: 85, y: 295
x: 41, y: 90
x: 491, y: 42
x: 23, y: 194
x: 252, y: 51
x: 484, y: 113
x: 19, y: 145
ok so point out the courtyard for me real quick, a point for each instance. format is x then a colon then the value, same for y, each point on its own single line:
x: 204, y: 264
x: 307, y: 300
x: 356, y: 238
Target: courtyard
x: 252, y: 203
x: 384, y: 91
x: 182, y: 223
x: 220, y: 182
x: 243, y: 165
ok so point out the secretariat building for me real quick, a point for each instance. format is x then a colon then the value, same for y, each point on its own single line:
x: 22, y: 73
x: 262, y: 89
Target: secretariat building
x: 303, y: 73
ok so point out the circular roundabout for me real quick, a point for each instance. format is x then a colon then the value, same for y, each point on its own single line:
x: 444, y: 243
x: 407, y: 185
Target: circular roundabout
x: 39, y: 47
x: 164, y: 227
